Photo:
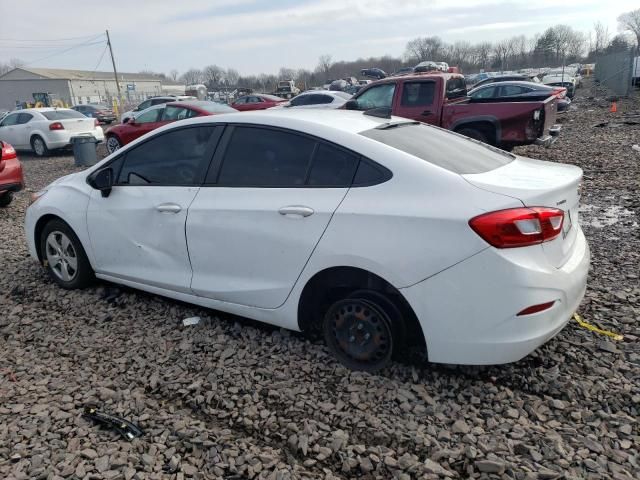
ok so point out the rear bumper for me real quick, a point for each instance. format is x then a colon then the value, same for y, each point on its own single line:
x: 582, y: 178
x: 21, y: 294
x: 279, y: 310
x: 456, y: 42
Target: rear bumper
x: 62, y: 138
x: 548, y: 140
x: 469, y: 312
x: 11, y: 187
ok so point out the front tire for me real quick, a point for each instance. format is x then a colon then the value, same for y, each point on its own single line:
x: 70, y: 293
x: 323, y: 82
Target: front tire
x: 39, y: 146
x: 359, y: 332
x: 113, y: 144
x: 5, y: 199
x: 64, y: 257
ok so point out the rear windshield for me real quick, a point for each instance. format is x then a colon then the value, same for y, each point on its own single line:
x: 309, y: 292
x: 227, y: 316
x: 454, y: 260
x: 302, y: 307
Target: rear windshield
x: 440, y: 147
x: 62, y: 114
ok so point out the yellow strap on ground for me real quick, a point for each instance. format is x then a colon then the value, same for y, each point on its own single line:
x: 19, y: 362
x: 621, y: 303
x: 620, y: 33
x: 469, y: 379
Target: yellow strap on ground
x: 588, y: 326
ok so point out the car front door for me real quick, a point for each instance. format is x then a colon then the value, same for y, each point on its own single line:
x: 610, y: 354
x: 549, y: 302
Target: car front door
x: 8, y: 129
x: 22, y: 132
x: 138, y: 232
x: 267, y: 200
x: 417, y: 101
x: 143, y: 123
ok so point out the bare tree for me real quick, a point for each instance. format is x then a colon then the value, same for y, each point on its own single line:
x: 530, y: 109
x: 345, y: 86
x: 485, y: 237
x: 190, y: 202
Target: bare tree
x: 232, y: 77
x: 424, y: 48
x: 502, y: 51
x: 483, y: 54
x: 630, y: 21
x: 287, y: 73
x: 602, y: 37
x: 173, y: 74
x: 324, y: 65
x: 213, y: 75
x: 192, y: 76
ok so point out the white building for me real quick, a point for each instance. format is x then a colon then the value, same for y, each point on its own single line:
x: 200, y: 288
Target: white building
x: 72, y: 87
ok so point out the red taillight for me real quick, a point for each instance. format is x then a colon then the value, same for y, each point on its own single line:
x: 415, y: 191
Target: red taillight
x: 8, y: 152
x: 56, y: 126
x: 560, y: 92
x: 518, y: 227
x: 536, y: 308
x: 96, y: 123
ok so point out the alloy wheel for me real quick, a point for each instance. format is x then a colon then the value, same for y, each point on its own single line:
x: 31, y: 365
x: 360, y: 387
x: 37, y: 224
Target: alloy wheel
x: 112, y: 144
x: 38, y: 146
x: 61, y: 256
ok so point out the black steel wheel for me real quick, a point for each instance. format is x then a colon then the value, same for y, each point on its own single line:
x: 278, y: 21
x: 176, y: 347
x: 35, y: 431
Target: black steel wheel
x: 359, y: 333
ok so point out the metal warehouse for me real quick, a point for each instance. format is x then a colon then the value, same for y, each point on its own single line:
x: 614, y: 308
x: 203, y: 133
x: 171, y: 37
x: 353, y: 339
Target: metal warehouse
x: 72, y: 87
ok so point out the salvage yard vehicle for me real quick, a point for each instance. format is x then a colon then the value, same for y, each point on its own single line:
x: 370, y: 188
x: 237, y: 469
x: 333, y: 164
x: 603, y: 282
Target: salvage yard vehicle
x: 502, y: 78
x: 287, y: 89
x: 556, y: 78
x: 317, y: 99
x: 44, y: 129
x: 519, y: 92
x: 441, y: 99
x: 382, y: 234
x: 157, y: 116
x: 100, y: 112
x: 257, y: 101
x: 11, y: 176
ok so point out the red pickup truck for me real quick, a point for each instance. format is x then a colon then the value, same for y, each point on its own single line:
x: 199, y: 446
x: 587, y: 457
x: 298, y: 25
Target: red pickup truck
x: 441, y: 99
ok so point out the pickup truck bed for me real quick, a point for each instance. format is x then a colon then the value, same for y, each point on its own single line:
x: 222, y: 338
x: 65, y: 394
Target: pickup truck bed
x: 440, y: 99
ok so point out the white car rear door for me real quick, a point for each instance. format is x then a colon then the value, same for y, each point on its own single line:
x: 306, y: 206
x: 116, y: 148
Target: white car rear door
x: 269, y: 196
x: 138, y: 231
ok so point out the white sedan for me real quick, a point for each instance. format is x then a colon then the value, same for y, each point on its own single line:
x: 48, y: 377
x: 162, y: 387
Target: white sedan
x: 45, y: 129
x: 381, y: 234
x: 325, y: 99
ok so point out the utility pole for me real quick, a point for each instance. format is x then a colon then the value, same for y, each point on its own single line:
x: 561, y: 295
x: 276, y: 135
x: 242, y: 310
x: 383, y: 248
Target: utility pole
x: 113, y: 62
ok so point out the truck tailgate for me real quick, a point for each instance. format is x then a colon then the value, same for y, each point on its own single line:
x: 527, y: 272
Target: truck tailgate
x: 550, y: 113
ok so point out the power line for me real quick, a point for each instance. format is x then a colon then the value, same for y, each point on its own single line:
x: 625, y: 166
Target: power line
x: 63, y: 51
x: 100, y: 60
x: 87, y: 37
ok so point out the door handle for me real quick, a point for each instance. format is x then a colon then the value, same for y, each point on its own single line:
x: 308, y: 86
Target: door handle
x: 426, y: 113
x: 169, y: 208
x: 297, y: 210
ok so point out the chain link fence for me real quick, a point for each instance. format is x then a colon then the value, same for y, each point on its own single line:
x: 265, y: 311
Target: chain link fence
x: 614, y: 71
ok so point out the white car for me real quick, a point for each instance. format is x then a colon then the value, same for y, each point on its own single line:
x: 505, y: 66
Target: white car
x: 316, y: 99
x: 45, y: 129
x: 380, y: 233
x: 154, y: 101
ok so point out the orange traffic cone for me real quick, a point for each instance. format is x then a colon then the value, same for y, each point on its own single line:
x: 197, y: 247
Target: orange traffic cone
x: 614, y: 107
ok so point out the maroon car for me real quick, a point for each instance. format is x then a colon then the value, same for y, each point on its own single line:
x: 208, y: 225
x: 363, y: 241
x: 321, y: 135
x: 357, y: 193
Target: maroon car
x: 257, y: 101
x: 157, y: 116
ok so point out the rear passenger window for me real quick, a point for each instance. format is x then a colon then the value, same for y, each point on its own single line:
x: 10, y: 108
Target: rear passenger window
x: 370, y: 173
x: 417, y: 94
x: 261, y: 157
x: 332, y: 167
x: 178, y: 157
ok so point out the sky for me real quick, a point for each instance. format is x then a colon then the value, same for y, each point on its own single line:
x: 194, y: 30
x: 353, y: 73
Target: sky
x: 255, y: 36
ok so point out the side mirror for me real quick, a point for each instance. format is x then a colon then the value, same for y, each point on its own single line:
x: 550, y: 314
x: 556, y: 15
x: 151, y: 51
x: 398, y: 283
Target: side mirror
x: 102, y: 180
x: 351, y: 105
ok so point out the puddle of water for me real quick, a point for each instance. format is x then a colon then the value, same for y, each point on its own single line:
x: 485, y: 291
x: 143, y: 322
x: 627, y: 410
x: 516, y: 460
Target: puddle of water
x: 601, y: 217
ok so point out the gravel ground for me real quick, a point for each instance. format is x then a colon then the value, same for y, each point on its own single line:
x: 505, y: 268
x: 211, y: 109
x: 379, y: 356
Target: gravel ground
x: 229, y: 398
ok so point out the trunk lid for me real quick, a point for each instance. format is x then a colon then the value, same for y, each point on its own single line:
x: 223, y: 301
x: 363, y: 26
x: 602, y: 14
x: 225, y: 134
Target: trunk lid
x: 537, y: 183
x: 80, y: 125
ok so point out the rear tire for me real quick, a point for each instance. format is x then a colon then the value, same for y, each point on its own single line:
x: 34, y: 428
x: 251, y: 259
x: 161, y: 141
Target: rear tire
x: 5, y: 199
x: 64, y: 257
x: 39, y: 146
x: 360, y: 332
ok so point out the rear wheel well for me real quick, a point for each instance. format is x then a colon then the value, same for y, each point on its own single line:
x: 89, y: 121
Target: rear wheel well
x: 332, y: 284
x: 486, y: 128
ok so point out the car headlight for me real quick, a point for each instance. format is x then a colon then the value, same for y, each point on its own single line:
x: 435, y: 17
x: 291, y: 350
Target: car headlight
x: 36, y: 196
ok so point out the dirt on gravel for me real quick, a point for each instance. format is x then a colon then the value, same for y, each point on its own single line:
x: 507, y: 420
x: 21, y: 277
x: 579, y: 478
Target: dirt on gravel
x: 229, y: 398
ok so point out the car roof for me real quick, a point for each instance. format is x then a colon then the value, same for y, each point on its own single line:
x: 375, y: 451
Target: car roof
x: 419, y: 76
x: 346, y: 121
x: 41, y: 109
